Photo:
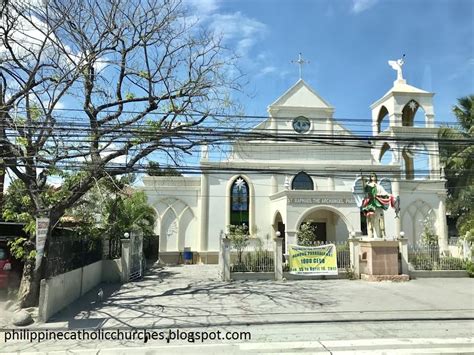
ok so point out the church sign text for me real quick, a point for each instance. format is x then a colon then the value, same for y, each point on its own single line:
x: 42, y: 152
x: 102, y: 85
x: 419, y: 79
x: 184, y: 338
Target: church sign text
x: 321, y: 201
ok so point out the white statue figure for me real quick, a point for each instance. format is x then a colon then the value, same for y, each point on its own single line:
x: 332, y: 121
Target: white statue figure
x: 397, y: 65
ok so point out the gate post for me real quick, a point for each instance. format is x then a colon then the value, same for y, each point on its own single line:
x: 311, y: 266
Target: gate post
x: 224, y: 259
x: 125, y: 260
x: 403, y: 246
x: 466, y: 247
x: 277, y: 258
x: 136, y: 265
x: 354, y: 255
x: 106, y: 248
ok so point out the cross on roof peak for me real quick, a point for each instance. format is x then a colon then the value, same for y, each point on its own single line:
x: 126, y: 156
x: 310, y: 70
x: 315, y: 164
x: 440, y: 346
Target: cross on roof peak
x: 300, y: 61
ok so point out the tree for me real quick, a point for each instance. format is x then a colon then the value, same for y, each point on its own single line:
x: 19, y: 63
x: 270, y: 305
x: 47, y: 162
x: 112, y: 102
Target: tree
x: 306, y: 235
x: 154, y: 169
x: 136, y: 77
x: 239, y: 239
x: 92, y: 212
x: 458, y: 162
x: 127, y: 213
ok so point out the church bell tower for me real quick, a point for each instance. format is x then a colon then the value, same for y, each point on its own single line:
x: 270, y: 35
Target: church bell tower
x: 403, y: 124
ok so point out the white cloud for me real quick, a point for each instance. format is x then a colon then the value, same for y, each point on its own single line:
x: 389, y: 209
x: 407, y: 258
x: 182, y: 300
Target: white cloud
x: 236, y: 29
x: 60, y: 106
x: 245, y: 31
x: 27, y: 36
x: 268, y: 70
x: 362, y: 5
x: 111, y: 149
x: 31, y: 35
x: 202, y: 7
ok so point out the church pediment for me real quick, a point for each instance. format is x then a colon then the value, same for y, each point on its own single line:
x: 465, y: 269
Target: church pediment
x: 301, y: 95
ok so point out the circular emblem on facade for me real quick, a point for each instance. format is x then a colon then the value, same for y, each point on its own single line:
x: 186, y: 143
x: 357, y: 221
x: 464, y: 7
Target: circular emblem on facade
x: 301, y: 124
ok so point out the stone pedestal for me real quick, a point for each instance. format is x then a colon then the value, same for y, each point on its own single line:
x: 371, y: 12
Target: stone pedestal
x: 378, y: 260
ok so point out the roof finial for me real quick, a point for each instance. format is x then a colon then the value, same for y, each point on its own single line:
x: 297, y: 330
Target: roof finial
x: 300, y: 62
x: 397, y: 65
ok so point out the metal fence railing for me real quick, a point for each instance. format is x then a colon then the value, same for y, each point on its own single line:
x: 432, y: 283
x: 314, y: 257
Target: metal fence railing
x: 115, y: 248
x: 453, y: 241
x: 252, y: 259
x: 68, y: 251
x: 428, y: 257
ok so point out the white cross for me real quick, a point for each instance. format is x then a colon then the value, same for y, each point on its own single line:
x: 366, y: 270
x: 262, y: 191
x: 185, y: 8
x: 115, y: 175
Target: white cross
x: 300, y: 62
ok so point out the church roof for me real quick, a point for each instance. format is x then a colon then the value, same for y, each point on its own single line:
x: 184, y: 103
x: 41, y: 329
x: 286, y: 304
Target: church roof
x: 401, y: 87
x: 301, y: 95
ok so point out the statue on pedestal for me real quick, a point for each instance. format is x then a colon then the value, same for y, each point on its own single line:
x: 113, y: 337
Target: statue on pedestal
x: 374, y: 198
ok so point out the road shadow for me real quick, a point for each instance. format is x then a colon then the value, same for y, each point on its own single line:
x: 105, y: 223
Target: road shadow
x: 166, y: 295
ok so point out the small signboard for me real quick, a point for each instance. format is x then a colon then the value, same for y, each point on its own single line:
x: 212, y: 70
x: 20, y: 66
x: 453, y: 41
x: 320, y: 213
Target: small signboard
x: 320, y: 260
x: 42, y: 225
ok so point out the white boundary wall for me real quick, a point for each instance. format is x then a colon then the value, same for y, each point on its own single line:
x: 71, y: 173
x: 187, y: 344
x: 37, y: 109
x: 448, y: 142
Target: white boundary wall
x: 59, y: 291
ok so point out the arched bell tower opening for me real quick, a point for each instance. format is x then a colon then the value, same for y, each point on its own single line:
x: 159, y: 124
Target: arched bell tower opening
x: 386, y: 154
x: 382, y: 120
x: 416, y: 162
x: 413, y: 115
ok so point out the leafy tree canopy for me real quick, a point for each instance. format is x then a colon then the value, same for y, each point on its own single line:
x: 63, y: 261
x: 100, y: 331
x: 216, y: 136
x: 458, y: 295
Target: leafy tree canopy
x: 458, y: 160
x: 306, y: 235
x: 154, y: 169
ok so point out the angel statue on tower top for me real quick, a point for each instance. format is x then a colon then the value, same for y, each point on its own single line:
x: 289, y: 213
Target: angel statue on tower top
x: 397, y: 65
x: 374, y: 198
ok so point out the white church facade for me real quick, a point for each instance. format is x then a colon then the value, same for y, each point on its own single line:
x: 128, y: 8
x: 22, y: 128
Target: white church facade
x: 305, y: 172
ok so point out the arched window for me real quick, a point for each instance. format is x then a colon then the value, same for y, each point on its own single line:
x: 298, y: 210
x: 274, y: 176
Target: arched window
x: 302, y: 181
x: 239, y: 202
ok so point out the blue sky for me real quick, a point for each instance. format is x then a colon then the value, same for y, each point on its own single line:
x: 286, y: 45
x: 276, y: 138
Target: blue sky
x: 348, y: 44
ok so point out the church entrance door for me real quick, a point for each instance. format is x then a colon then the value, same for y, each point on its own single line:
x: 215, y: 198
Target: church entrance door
x: 328, y: 225
x: 320, y: 231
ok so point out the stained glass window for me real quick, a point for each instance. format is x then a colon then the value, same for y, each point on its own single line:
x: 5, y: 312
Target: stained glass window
x: 239, y: 200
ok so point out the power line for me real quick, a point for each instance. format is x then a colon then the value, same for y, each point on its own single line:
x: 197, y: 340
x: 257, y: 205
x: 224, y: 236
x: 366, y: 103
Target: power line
x: 255, y: 118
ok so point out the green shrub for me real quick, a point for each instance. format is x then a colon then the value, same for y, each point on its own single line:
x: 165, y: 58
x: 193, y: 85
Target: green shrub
x: 421, y: 262
x: 451, y: 263
x: 350, y: 272
x: 470, y: 268
x: 342, y: 247
x: 259, y: 261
